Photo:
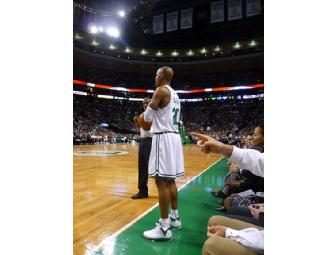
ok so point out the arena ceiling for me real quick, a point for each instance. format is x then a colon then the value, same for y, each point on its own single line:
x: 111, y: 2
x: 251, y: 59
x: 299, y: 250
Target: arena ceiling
x: 125, y: 29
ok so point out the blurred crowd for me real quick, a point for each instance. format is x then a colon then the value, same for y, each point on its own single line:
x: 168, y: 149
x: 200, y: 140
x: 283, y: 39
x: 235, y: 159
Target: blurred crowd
x: 102, y: 120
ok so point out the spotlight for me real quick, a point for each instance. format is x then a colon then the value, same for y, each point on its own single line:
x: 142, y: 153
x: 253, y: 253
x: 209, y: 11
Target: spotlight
x: 143, y: 52
x: 203, y: 50
x: 159, y: 54
x: 94, y: 43
x: 121, y: 13
x: 128, y: 50
x: 113, y: 32
x: 93, y: 29
x: 236, y: 45
x: 190, y: 53
x: 217, y: 49
x: 175, y: 53
x: 252, y: 43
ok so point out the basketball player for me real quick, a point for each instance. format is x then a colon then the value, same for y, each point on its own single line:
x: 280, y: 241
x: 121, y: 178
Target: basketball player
x: 143, y: 157
x: 166, y: 158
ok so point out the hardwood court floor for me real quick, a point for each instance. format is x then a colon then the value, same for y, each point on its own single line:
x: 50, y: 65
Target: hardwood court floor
x: 103, y: 186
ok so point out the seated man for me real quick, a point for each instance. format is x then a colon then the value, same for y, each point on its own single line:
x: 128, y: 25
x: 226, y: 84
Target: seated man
x: 233, y: 237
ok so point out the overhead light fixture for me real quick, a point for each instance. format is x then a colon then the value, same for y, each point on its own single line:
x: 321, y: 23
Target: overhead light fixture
x: 143, y: 52
x: 121, y: 13
x: 217, y: 49
x: 175, y: 53
x: 113, y: 32
x: 190, y: 53
x: 159, y: 54
x: 78, y: 37
x: 93, y: 29
x: 203, y: 50
x: 112, y: 47
x: 236, y: 45
x: 252, y: 43
x: 128, y: 50
x: 94, y: 43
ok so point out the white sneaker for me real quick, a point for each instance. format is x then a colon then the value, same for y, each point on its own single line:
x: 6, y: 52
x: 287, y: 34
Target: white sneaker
x: 158, y: 233
x: 175, y: 223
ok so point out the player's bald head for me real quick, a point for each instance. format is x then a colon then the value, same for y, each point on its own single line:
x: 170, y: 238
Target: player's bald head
x: 167, y: 73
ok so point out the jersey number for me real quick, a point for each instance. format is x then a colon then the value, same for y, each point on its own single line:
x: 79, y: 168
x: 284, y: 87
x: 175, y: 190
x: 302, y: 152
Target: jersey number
x: 176, y: 116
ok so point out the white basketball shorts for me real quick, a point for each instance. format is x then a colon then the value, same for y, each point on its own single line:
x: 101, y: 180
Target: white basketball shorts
x: 166, y: 157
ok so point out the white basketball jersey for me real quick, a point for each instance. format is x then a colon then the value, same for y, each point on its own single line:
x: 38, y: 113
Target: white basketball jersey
x: 166, y: 119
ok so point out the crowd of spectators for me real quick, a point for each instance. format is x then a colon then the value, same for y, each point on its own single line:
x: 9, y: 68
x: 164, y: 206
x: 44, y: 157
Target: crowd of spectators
x: 227, y: 122
x: 90, y: 116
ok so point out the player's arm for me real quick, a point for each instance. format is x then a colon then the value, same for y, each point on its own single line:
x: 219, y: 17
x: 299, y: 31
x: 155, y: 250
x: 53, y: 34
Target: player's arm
x: 154, y: 104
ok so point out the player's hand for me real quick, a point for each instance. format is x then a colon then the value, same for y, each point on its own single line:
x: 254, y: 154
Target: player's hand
x: 216, y: 231
x: 208, y: 144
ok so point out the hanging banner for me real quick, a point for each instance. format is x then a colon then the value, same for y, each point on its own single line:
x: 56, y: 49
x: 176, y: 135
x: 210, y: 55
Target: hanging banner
x: 172, y: 21
x: 234, y: 9
x: 186, y: 18
x: 158, y: 24
x: 217, y: 11
x: 253, y: 7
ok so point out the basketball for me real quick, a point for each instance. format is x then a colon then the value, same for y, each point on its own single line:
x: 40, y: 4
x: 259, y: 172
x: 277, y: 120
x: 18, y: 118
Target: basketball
x: 142, y: 123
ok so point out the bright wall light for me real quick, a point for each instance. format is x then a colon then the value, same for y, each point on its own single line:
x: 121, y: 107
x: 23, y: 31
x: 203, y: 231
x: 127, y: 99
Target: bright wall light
x: 112, y: 47
x: 128, y: 50
x: 113, y: 32
x: 143, y: 52
x: 175, y: 53
x: 159, y: 54
x: 203, y: 50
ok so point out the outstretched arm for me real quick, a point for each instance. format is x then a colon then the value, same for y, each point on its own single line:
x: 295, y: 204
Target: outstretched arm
x: 248, y: 159
x: 209, y: 144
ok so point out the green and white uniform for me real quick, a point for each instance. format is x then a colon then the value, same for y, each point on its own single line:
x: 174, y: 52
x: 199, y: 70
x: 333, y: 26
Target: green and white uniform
x: 166, y: 158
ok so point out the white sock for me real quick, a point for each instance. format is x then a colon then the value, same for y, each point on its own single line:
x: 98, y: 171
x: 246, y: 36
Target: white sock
x: 165, y: 223
x: 174, y: 213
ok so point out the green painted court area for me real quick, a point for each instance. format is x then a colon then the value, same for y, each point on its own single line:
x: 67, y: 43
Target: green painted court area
x: 196, y: 206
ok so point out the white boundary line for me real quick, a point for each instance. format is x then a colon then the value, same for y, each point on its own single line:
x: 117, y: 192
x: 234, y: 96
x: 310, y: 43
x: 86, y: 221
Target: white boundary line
x: 119, y: 231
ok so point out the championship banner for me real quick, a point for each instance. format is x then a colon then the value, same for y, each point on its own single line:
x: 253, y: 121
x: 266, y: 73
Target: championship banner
x: 186, y: 18
x: 234, y: 9
x: 158, y: 24
x: 217, y: 11
x: 253, y: 7
x: 172, y: 21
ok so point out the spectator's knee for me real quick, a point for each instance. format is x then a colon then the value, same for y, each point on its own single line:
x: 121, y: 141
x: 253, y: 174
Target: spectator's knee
x: 208, y: 246
x: 214, y: 220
